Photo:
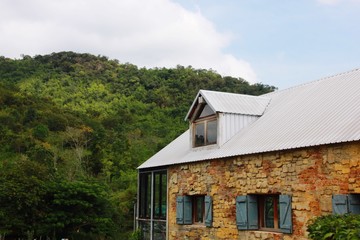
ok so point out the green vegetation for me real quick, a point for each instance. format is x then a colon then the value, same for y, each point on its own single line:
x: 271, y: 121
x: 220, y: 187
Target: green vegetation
x: 73, y: 129
x: 335, y: 227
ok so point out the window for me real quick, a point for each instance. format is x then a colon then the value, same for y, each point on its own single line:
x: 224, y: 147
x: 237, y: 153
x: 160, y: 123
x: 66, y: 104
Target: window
x: 204, y: 126
x: 264, y: 212
x: 343, y: 203
x: 268, y: 211
x: 205, y: 132
x: 159, y: 197
x: 145, y: 195
x: 198, y: 209
x: 194, y: 209
x: 152, y: 204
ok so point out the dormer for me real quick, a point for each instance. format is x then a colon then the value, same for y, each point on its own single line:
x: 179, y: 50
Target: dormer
x: 215, y: 117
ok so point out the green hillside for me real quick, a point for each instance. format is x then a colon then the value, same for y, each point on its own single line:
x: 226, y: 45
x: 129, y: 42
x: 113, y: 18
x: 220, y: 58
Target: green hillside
x: 73, y: 129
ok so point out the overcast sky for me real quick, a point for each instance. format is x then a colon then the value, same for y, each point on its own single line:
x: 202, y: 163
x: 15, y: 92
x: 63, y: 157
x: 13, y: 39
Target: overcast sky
x: 276, y: 42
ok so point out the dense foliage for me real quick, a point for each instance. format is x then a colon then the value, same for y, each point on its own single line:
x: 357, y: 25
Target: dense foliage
x: 73, y: 129
x: 335, y: 227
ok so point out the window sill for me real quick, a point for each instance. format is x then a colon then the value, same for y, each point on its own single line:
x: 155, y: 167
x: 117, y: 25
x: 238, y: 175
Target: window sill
x: 194, y: 225
x: 149, y: 219
x: 205, y: 148
x: 269, y: 230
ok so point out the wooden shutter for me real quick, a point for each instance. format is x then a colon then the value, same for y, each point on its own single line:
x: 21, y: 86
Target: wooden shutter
x: 340, y: 204
x: 187, y: 210
x: 252, y: 210
x: 354, y: 203
x: 180, y: 209
x: 241, y: 213
x: 285, y: 217
x: 208, y: 211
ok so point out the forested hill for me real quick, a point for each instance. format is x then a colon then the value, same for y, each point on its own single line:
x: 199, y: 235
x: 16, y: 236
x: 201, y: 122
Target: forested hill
x: 73, y: 129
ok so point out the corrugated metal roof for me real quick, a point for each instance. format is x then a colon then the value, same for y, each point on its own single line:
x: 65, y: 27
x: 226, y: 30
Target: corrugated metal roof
x: 321, y: 112
x: 232, y: 103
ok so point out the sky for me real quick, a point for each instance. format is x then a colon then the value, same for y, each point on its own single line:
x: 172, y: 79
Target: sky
x: 282, y: 43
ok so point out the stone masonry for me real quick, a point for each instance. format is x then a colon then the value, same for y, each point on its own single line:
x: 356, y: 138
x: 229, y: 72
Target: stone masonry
x: 310, y: 175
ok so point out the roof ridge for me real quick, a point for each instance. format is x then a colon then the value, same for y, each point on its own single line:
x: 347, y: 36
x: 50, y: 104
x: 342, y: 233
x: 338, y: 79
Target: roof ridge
x: 311, y: 82
x: 238, y: 94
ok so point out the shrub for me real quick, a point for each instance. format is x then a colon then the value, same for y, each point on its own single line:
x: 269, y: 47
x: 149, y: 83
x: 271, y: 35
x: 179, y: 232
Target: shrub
x: 135, y: 235
x: 335, y: 227
x: 41, y: 132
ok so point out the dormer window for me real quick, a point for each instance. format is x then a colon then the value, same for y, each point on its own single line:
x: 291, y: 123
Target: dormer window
x: 205, y: 127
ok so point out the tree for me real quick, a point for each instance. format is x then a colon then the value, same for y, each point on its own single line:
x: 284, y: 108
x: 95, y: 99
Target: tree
x: 22, y: 187
x: 77, y: 208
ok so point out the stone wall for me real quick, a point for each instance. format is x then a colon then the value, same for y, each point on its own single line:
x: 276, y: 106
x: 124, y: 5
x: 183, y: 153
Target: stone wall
x: 310, y: 175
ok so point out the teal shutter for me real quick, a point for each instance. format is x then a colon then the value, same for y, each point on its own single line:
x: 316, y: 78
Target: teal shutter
x: 187, y: 210
x: 180, y: 209
x: 241, y: 213
x: 285, y: 213
x: 354, y: 203
x: 208, y: 211
x: 340, y: 204
x: 253, y: 217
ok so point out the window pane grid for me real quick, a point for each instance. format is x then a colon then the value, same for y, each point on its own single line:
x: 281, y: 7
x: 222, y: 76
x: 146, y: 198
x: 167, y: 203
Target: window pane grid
x: 152, y: 204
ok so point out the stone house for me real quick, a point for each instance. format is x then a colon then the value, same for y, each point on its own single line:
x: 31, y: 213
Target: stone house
x: 256, y: 167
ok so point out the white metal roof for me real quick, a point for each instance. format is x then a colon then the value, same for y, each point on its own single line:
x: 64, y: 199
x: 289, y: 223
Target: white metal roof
x: 231, y: 103
x: 321, y: 112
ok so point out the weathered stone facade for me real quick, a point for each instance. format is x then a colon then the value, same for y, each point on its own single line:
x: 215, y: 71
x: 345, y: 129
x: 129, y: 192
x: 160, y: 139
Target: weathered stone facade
x: 310, y: 175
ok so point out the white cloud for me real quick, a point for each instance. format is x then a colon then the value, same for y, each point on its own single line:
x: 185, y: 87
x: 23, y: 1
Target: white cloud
x: 151, y: 33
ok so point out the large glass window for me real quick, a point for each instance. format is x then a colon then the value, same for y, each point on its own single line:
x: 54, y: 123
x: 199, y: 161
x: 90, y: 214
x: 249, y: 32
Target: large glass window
x: 152, y: 204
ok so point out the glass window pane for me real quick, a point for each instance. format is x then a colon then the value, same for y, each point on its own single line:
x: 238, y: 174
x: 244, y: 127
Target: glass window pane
x: 159, y: 230
x: 160, y: 195
x: 163, y: 195
x: 207, y: 111
x: 148, y: 196
x: 199, y: 135
x: 199, y: 209
x: 269, y: 212
x: 145, y: 195
x: 211, y: 132
x: 145, y: 230
x: 157, y: 192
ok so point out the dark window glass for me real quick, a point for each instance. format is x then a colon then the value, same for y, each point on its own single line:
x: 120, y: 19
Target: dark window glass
x: 145, y: 195
x: 269, y: 211
x: 159, y: 195
x: 164, y: 195
x: 199, y: 134
x: 145, y: 229
x: 159, y: 230
x: 198, y: 209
